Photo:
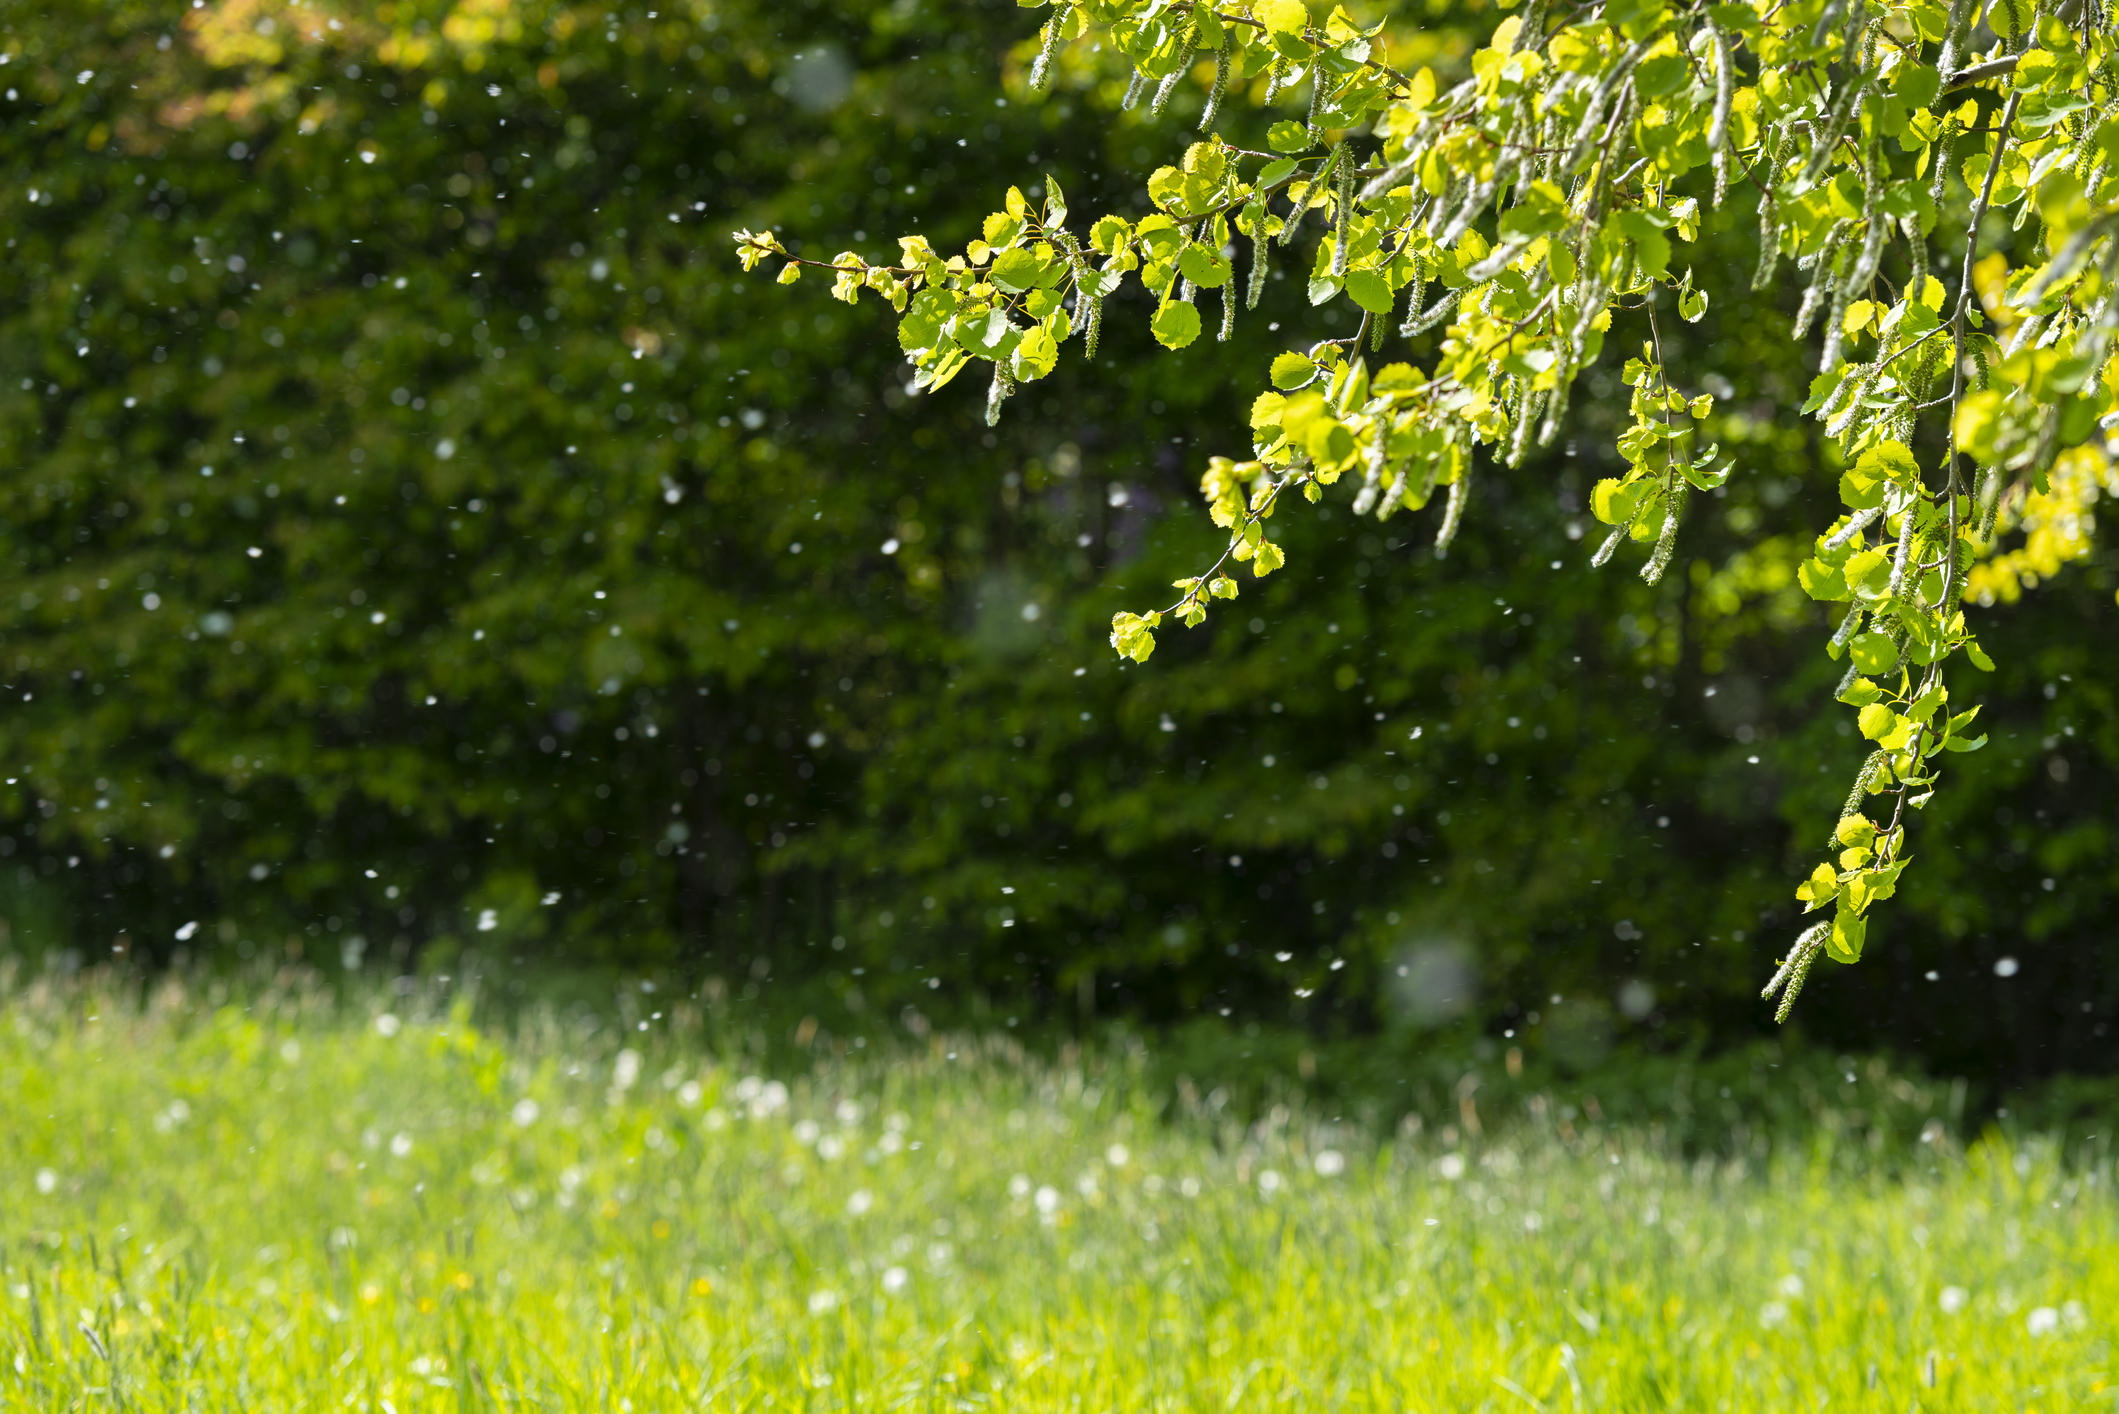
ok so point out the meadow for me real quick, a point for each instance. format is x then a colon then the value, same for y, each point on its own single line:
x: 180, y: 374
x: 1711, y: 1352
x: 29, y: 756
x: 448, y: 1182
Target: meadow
x: 385, y: 1200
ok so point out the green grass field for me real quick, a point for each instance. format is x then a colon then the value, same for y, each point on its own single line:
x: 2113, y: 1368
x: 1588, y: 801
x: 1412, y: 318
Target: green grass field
x: 311, y: 1203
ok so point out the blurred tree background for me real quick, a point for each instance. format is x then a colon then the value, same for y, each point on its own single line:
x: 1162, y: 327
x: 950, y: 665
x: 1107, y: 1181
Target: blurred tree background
x: 424, y: 540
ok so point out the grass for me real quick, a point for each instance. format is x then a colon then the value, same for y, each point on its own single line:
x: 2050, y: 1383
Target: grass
x: 312, y: 1202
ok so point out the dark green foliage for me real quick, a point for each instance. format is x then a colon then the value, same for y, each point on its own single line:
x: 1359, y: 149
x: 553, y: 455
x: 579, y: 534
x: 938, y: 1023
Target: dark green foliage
x: 503, y: 434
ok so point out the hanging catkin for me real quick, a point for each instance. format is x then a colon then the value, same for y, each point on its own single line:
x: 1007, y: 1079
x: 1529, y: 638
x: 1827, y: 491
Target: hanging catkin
x: 1835, y: 324
x: 1003, y: 385
x: 1413, y: 290
x: 1221, y: 79
x: 1088, y: 308
x: 1372, y: 473
x: 1453, y: 513
x: 1041, y: 71
x: 1342, y: 207
x: 1556, y: 406
x: 1440, y: 310
x: 1724, y: 96
x: 1668, y: 540
x: 1168, y: 86
x: 1261, y: 245
x: 1796, y: 969
x: 1820, y: 280
x: 1276, y: 78
x: 1527, y: 406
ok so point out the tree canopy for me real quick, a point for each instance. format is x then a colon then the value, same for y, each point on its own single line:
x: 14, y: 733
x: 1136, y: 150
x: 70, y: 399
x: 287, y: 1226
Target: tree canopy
x: 1613, y: 787
x: 1561, y: 186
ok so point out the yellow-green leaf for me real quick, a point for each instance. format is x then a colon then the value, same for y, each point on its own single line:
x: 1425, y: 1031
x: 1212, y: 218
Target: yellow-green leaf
x: 1282, y: 16
x: 1292, y: 370
x: 1175, y: 325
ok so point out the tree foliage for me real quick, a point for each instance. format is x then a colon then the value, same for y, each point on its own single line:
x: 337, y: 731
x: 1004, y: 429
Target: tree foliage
x: 1560, y: 185
x: 1244, y: 830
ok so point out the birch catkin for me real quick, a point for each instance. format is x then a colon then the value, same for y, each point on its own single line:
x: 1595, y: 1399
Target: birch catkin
x: 1221, y: 80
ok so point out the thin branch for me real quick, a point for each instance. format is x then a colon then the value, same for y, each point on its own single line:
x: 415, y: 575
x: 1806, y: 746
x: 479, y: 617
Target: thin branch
x: 1980, y: 73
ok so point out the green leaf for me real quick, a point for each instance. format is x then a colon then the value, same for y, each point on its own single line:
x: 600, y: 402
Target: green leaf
x: 1874, y: 653
x: 1159, y: 235
x: 1614, y: 503
x: 1821, y: 581
x: 1282, y: 16
x: 1036, y: 355
x: 1560, y: 263
x: 1002, y: 228
x: 1869, y: 572
x: 1287, y: 135
x: 1888, y: 461
x: 1648, y: 241
x: 1862, y: 492
x: 1857, y: 830
x: 1849, y: 930
x: 1175, y: 325
x: 922, y: 323
x: 1636, y: 19
x: 1661, y: 74
x: 1370, y: 290
x: 992, y: 336
x: 1016, y: 270
x: 1205, y: 266
x: 1860, y: 693
x: 1979, y: 657
x: 1877, y: 721
x: 937, y: 375
x: 1292, y: 370
x: 1133, y: 636
x: 1267, y: 558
